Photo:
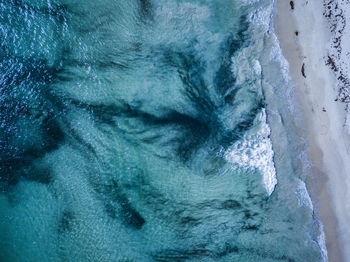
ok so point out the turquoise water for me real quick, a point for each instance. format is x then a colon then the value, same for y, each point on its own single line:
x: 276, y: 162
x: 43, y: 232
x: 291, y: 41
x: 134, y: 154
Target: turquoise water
x: 146, y: 130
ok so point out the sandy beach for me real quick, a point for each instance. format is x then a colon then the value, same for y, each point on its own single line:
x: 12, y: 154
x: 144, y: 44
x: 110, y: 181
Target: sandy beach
x: 305, y: 38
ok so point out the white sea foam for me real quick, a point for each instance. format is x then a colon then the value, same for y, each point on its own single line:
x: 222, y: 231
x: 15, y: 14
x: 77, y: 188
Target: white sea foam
x: 322, y: 242
x: 255, y: 151
x: 303, y: 197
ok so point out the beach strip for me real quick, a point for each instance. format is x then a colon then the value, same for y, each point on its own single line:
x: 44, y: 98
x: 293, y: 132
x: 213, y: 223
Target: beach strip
x: 305, y: 38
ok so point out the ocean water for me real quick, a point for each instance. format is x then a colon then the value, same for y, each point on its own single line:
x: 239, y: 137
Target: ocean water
x: 143, y: 130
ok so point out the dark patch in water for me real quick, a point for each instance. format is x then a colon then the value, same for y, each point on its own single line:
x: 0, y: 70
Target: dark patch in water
x: 118, y: 206
x: 180, y: 255
x: 192, y: 130
x: 131, y: 216
x: 146, y: 8
x: 29, y: 129
x: 189, y: 221
x: 37, y: 173
x: 231, y: 204
x: 65, y: 223
x: 17, y: 162
x: 199, y: 252
x: 224, y: 78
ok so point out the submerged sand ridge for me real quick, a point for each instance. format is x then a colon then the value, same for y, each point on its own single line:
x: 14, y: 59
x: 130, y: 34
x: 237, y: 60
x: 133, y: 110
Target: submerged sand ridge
x: 308, y: 44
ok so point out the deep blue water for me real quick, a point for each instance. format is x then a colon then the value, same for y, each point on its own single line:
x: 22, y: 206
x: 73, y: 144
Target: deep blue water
x: 142, y: 130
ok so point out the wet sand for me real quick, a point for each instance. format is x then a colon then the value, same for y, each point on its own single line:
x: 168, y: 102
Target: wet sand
x: 304, y: 37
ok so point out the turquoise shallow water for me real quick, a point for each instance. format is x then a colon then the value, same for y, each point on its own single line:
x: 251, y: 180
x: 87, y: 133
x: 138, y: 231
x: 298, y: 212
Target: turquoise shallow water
x: 140, y: 130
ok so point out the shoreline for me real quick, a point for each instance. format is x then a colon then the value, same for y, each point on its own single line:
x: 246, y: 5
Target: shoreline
x: 304, y: 38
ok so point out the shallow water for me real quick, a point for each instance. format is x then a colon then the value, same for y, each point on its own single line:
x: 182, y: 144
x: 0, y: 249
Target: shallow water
x: 137, y: 131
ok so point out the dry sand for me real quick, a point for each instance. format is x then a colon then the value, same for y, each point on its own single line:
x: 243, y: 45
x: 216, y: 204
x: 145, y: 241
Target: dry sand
x: 304, y: 37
